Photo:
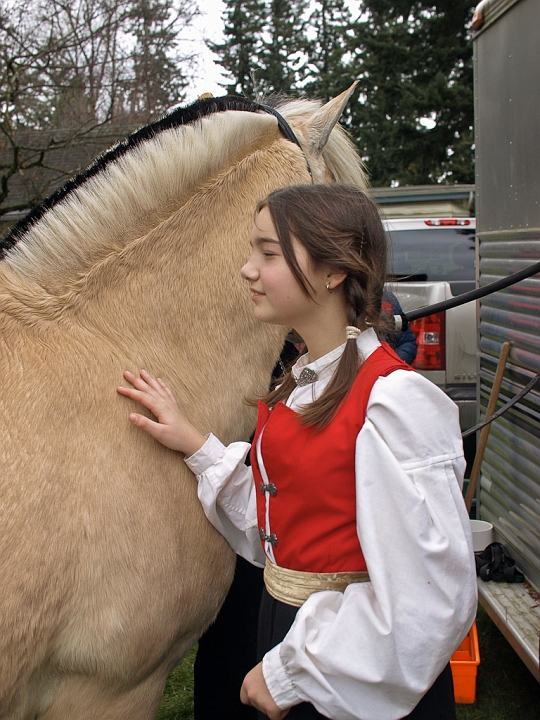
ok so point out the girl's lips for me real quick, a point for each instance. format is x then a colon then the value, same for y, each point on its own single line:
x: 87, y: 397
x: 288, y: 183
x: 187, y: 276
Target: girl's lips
x: 255, y: 293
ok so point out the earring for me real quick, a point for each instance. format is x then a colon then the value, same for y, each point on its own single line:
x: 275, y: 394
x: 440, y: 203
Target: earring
x: 328, y: 287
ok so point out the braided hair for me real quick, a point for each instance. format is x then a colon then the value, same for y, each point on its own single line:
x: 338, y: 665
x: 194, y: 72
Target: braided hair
x: 340, y: 227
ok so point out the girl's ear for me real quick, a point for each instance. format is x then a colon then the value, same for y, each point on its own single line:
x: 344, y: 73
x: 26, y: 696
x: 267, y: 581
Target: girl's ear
x: 335, y: 279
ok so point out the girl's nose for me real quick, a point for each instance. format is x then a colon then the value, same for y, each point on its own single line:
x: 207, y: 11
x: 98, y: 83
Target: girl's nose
x: 248, y: 271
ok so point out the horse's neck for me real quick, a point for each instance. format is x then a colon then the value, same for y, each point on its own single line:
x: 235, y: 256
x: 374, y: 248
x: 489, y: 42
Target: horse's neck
x: 181, y: 282
x: 186, y: 316
x: 133, y: 196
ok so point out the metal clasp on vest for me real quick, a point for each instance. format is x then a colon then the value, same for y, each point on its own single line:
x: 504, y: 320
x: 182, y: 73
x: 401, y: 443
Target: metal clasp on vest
x: 270, y: 488
x: 272, y: 539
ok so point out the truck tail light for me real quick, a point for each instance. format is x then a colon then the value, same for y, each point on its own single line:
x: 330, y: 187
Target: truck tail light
x: 447, y: 222
x: 430, y: 335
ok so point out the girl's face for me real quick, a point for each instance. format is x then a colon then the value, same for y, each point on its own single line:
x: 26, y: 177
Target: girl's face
x: 278, y: 297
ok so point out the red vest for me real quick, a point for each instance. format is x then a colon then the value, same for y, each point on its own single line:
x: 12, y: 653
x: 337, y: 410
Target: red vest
x: 311, y: 476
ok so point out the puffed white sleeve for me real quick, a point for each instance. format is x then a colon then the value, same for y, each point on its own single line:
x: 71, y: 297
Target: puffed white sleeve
x: 372, y: 652
x: 226, y: 491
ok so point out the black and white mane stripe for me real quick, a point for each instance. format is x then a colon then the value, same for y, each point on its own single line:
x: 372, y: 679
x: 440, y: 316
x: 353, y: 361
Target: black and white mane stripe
x: 181, y: 116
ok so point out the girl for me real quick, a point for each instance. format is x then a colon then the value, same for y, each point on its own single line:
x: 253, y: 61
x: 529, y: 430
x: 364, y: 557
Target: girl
x: 353, y: 499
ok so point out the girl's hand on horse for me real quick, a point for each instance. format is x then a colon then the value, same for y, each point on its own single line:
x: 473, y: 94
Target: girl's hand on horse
x: 254, y: 692
x: 172, y: 429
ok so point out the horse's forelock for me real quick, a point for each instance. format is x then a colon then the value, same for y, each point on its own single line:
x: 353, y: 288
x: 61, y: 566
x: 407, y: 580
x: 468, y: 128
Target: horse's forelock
x: 340, y: 156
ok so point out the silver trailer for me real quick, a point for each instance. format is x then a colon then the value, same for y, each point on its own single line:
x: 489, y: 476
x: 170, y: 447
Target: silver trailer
x: 507, y: 129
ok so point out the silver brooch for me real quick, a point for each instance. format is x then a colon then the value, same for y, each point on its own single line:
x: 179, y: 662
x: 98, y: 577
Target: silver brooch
x: 306, y: 377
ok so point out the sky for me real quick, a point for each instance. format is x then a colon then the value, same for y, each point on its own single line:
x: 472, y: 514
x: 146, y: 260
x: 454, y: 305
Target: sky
x: 210, y: 25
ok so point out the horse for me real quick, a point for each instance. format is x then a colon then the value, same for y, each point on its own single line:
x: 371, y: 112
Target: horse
x: 110, y: 570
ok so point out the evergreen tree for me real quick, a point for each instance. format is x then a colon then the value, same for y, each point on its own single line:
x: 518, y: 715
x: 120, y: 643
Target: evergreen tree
x: 283, y: 59
x: 414, y: 60
x: 328, y: 50
x: 239, y: 54
x: 157, y: 80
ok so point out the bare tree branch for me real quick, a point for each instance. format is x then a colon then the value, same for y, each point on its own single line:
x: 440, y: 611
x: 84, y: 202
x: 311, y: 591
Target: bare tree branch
x: 69, y: 70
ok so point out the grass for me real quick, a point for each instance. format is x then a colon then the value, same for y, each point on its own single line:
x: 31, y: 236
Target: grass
x: 177, y: 703
x: 505, y: 689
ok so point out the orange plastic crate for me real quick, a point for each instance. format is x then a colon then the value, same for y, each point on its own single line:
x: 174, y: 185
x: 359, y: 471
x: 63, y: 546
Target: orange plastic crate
x: 464, y: 664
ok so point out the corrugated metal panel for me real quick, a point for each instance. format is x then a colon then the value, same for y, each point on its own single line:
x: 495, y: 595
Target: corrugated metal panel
x: 509, y: 495
x: 507, y: 134
x: 507, y: 77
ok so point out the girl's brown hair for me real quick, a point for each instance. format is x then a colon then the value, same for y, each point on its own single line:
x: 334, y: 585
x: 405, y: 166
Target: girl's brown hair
x: 340, y: 227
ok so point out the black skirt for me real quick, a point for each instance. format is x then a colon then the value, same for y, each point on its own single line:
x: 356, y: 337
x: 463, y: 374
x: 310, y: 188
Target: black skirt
x: 275, y: 620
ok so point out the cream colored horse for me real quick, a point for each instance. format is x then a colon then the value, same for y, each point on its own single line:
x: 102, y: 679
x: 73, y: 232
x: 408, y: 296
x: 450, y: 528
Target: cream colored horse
x: 109, y: 570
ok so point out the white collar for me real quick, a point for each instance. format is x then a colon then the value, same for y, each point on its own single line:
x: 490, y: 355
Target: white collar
x: 367, y: 342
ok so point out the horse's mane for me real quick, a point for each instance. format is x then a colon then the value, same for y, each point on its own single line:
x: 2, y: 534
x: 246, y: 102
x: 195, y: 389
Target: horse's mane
x: 181, y: 116
x: 139, y: 182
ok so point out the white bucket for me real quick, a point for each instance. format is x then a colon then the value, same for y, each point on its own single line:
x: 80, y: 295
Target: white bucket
x: 482, y: 534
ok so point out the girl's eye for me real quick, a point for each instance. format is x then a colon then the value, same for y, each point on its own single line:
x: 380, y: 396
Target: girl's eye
x: 268, y: 254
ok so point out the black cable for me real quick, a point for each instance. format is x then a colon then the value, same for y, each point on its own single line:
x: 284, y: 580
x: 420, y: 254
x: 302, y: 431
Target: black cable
x: 504, y: 408
x: 474, y: 294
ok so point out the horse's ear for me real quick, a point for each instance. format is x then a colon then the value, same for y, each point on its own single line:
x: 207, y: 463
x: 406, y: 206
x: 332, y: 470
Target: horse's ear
x: 321, y: 123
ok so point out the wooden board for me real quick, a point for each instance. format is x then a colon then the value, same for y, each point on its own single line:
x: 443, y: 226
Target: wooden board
x: 516, y: 612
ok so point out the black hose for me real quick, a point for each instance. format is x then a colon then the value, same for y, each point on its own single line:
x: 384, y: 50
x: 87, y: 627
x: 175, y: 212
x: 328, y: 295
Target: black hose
x: 474, y: 294
x: 521, y: 394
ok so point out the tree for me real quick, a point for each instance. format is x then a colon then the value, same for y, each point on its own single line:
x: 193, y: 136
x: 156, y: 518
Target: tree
x: 265, y: 46
x: 71, y: 68
x: 329, y: 49
x: 413, y: 58
x: 283, y: 59
x: 414, y: 121
x: 53, y: 56
x: 239, y: 53
x: 156, y: 82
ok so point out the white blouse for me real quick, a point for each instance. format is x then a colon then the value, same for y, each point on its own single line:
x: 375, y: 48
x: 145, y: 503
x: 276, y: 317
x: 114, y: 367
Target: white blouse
x: 371, y: 652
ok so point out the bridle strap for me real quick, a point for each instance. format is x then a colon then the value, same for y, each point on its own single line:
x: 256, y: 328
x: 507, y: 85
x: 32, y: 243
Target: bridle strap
x: 287, y: 131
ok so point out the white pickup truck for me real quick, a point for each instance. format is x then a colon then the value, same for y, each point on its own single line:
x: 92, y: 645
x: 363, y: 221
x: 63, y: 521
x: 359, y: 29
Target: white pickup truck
x: 434, y: 260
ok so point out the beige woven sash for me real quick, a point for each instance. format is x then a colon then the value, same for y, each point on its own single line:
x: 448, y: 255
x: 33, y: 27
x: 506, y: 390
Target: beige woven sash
x: 294, y: 586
